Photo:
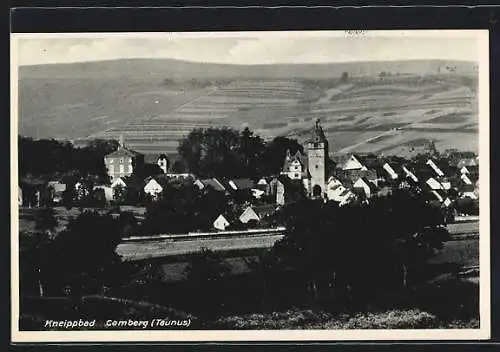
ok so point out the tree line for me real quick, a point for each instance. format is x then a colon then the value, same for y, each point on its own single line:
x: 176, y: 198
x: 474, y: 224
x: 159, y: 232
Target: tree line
x: 50, y: 156
x: 226, y: 152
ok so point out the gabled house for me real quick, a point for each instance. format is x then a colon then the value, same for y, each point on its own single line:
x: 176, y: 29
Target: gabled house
x: 464, y: 170
x: 241, y: 184
x: 409, y: 173
x: 257, y: 213
x: 435, y: 168
x: 122, y: 162
x: 263, y: 181
x: 447, y: 202
x: 466, y: 179
x: 212, y: 183
x: 152, y: 187
x: 248, y: 215
x: 394, y: 171
x: 354, y: 163
x: 446, y: 183
x: 336, y: 191
x: 119, y: 182
x: 368, y: 188
x: 296, y: 166
x: 367, y: 166
x: 163, y: 163
x: 224, y: 221
x: 434, y: 184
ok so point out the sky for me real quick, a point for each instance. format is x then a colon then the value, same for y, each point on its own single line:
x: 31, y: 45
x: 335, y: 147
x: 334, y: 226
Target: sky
x: 248, y: 48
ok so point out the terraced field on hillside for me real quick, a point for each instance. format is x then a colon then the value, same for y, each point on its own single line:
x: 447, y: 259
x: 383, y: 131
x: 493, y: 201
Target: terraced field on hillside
x: 390, y: 115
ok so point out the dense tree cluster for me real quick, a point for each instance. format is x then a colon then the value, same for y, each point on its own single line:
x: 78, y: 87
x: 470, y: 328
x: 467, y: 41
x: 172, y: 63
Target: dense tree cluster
x: 357, y: 249
x: 49, y: 156
x: 80, y: 260
x: 182, y: 209
x: 225, y: 152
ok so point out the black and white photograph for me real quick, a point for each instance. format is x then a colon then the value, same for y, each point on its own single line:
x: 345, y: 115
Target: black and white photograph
x: 250, y: 186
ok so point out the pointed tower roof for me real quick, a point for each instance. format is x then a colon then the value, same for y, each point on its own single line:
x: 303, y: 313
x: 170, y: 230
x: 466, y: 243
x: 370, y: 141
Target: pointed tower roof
x: 317, y: 134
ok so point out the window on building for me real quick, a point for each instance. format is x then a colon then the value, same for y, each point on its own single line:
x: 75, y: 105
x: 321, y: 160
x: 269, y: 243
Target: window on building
x: 121, y: 160
x: 296, y: 175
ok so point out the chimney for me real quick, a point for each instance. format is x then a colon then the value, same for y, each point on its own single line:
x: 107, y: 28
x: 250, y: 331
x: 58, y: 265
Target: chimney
x: 120, y: 142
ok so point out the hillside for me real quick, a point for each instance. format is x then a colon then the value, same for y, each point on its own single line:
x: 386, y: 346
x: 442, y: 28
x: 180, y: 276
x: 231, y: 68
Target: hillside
x: 153, y: 103
x: 168, y: 68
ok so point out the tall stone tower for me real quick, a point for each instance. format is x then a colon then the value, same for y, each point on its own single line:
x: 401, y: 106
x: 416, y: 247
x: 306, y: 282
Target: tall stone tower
x: 317, y: 155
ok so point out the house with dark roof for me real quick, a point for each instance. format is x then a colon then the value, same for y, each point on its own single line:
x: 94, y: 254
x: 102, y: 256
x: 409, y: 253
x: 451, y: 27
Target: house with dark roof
x: 241, y: 184
x: 122, y: 162
x: 212, y: 183
x: 368, y: 187
x: 295, y: 166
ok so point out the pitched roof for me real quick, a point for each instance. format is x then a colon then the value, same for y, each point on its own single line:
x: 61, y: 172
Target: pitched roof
x: 317, y: 134
x: 230, y: 216
x: 372, y: 187
x: 298, y: 156
x: 123, y: 152
x: 243, y: 183
x: 214, y: 183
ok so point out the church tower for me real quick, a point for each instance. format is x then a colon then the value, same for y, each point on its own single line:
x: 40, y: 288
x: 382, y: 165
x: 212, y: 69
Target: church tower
x: 317, y: 155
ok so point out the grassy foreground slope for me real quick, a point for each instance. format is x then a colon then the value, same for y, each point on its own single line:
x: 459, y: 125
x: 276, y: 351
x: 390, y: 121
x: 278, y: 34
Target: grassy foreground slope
x: 154, y: 103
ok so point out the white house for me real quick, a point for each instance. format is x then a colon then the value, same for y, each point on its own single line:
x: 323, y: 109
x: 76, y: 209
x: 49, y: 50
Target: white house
x: 162, y: 163
x: 365, y: 185
x: 446, y: 185
x: 340, y: 194
x: 353, y: 163
x: 436, y: 169
x: 211, y: 182
x: 409, y: 173
x: 263, y: 181
x: 118, y: 183
x: 336, y: 191
x: 447, y: 202
x: 153, y: 188
x: 248, y: 215
x: 221, y: 223
x: 466, y: 179
x: 434, y: 184
x: 390, y: 170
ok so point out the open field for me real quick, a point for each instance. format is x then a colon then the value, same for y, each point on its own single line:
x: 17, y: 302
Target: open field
x: 138, y: 250
x: 165, y: 248
x: 390, y: 115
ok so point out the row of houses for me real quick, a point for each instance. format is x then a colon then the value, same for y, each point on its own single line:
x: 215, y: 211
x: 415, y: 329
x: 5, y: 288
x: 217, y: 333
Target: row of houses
x: 368, y: 176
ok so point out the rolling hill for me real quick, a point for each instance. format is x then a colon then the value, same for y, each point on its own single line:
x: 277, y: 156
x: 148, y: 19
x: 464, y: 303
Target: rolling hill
x: 154, y: 103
